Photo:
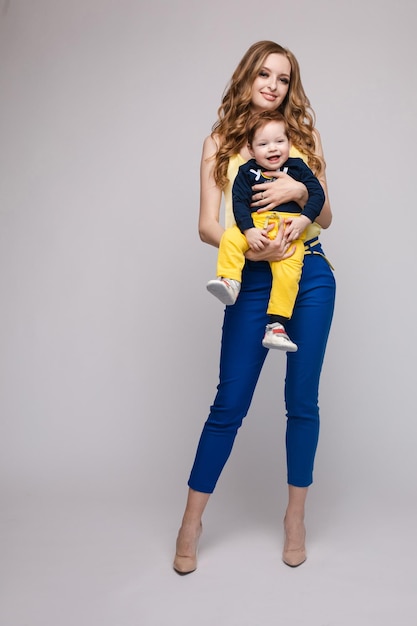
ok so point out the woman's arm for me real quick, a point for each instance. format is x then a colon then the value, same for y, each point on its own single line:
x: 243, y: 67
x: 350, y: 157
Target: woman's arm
x: 325, y: 217
x: 209, y: 227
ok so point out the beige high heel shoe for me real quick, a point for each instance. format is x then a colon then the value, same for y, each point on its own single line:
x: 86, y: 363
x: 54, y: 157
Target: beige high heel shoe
x: 185, y: 564
x: 296, y: 556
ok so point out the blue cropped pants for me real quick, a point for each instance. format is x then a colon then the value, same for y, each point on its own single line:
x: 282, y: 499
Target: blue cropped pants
x: 241, y: 360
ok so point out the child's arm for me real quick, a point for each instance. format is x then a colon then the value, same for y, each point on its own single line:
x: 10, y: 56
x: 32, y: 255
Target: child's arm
x: 316, y: 196
x: 295, y: 226
x: 241, y: 196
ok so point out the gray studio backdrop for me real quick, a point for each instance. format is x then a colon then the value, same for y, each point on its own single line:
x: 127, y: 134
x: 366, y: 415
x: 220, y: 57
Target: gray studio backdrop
x: 108, y: 340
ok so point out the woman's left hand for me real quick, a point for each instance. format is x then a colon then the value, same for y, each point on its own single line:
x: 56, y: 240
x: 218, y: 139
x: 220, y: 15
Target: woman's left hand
x: 267, y: 196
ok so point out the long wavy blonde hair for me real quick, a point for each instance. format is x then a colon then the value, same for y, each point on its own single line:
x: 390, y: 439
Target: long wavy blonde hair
x: 235, y: 110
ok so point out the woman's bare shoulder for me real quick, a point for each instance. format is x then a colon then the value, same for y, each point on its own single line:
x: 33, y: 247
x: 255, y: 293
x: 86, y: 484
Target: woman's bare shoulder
x: 211, y: 145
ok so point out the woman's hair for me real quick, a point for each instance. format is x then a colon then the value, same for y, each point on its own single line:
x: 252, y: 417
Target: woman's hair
x: 259, y: 120
x: 235, y: 110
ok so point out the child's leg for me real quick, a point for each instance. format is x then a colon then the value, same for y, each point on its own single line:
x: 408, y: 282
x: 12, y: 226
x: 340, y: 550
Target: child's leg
x: 286, y: 275
x: 231, y: 256
x: 230, y: 262
x: 285, y: 280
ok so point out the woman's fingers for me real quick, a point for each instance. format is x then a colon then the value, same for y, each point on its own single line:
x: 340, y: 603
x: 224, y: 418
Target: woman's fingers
x: 260, y: 195
x: 259, y: 200
x: 289, y: 252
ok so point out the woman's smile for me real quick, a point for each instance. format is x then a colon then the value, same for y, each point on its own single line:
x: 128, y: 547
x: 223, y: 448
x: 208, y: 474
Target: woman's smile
x: 269, y: 96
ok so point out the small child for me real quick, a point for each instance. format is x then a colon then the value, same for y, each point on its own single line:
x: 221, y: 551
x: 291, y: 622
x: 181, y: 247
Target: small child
x: 269, y: 145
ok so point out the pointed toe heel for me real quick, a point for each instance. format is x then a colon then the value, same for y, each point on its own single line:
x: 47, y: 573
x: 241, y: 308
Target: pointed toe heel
x: 186, y: 564
x: 295, y: 557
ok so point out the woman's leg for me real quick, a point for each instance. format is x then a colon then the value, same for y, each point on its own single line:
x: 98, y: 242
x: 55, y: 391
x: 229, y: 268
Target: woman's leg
x: 294, y: 552
x: 185, y: 560
x: 309, y: 328
x: 241, y: 360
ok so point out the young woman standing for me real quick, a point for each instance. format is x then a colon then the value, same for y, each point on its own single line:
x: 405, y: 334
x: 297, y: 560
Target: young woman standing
x: 267, y: 78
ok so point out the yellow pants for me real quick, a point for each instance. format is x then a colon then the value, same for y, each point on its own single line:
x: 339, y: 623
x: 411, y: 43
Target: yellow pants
x: 285, y: 274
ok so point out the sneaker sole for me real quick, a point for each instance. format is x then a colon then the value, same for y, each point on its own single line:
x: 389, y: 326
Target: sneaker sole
x: 281, y: 346
x: 221, y: 292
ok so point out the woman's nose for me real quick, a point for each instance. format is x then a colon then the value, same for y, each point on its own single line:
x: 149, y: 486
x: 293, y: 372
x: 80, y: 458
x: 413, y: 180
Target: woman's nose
x: 272, y: 83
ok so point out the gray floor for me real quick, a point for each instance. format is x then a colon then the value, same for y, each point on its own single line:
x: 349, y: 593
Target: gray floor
x: 79, y: 562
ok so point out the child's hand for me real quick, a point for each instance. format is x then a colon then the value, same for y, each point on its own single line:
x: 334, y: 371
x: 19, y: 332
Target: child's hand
x: 257, y: 239
x: 295, y: 226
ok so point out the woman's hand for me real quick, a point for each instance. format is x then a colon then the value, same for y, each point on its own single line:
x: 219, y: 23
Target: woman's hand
x: 267, y: 196
x: 275, y: 250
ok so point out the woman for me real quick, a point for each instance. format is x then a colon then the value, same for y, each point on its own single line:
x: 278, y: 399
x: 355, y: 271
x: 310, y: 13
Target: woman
x: 267, y: 78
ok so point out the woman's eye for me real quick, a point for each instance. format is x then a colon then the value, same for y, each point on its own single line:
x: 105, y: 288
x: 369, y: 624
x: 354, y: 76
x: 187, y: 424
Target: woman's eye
x: 285, y: 81
x: 263, y: 74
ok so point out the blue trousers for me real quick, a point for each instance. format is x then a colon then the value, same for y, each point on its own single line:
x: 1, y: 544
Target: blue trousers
x: 241, y: 360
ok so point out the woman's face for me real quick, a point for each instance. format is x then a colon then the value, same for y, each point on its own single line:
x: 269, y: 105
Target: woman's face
x: 272, y: 83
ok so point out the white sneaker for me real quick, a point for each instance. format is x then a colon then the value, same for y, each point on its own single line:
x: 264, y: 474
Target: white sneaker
x: 276, y: 337
x: 225, y: 289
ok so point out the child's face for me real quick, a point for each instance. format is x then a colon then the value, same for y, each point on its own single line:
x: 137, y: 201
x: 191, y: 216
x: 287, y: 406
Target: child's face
x: 271, y: 146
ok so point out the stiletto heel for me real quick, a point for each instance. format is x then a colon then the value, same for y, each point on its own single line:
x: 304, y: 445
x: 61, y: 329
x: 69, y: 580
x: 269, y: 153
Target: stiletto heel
x: 185, y: 564
x: 294, y: 557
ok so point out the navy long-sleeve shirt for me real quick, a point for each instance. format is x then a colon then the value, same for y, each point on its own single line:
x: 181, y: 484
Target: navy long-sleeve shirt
x: 250, y: 174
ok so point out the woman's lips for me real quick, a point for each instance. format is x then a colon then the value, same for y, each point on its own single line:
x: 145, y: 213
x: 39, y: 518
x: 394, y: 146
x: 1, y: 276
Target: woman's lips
x: 269, y: 96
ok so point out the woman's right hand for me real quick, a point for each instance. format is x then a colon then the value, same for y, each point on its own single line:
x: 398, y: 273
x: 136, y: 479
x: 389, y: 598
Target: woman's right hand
x: 268, y: 195
x: 277, y: 249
